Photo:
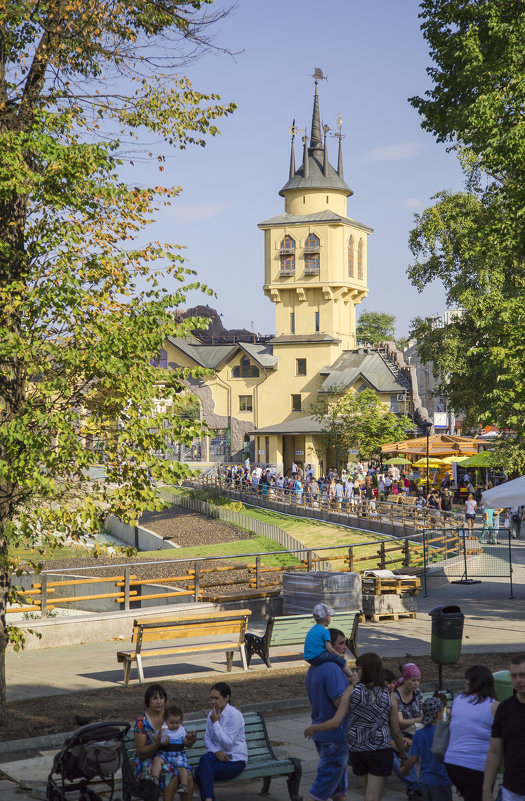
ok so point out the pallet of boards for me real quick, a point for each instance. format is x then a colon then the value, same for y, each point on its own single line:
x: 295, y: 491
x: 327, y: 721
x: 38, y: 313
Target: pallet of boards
x: 394, y: 607
x: 373, y: 585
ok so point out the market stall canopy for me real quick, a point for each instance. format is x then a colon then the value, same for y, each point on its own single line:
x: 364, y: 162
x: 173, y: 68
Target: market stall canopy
x: 432, y: 463
x: 398, y: 460
x: 512, y: 493
x: 482, y: 459
x: 438, y: 445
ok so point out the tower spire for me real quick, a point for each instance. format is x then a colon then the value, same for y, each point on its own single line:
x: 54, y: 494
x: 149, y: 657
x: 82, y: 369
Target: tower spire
x: 340, y: 136
x: 325, y: 158
x: 306, y: 166
x: 293, y: 131
x: 316, y: 141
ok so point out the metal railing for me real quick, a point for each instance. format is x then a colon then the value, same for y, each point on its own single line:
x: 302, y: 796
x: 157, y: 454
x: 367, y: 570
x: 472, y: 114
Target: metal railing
x: 397, y: 517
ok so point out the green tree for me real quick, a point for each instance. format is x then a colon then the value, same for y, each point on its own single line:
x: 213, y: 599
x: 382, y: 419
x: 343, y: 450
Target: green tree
x: 357, y: 421
x: 83, y: 311
x: 374, y: 327
x: 474, y: 241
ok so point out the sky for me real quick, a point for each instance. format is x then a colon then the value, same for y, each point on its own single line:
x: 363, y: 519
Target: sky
x: 375, y: 57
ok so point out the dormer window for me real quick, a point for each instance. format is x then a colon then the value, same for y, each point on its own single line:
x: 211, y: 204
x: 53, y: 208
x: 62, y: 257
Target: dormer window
x: 360, y: 259
x: 246, y: 369
x: 351, y: 256
x: 311, y: 255
x: 287, y: 256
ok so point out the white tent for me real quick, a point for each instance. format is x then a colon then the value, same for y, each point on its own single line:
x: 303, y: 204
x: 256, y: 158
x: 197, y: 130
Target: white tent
x: 512, y: 493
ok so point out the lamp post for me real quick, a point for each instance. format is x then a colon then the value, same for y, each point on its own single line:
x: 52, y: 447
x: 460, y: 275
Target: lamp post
x: 427, y: 425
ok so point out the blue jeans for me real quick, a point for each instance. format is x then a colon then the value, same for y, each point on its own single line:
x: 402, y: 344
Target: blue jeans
x: 210, y: 769
x: 331, y: 780
x: 327, y: 656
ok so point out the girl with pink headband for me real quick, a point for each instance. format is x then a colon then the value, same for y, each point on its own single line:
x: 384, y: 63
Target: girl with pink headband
x: 410, y: 709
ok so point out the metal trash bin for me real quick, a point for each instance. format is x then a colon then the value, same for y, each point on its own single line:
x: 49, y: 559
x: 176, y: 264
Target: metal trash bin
x: 503, y: 684
x: 447, y: 633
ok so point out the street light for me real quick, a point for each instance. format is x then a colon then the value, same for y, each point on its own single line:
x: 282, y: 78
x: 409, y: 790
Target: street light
x: 427, y: 425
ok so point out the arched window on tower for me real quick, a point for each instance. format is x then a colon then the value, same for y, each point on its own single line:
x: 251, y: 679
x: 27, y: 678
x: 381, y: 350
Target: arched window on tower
x: 351, y: 256
x: 287, y: 256
x: 312, y: 255
x: 360, y: 259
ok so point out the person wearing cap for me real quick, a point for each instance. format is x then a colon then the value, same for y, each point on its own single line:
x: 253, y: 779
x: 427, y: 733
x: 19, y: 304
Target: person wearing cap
x: 435, y: 783
x: 317, y: 645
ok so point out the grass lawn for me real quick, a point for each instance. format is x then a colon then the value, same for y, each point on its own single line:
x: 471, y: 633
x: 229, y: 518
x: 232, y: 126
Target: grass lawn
x: 315, y: 534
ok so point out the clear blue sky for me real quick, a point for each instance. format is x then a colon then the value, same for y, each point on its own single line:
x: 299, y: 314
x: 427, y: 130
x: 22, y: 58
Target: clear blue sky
x: 375, y: 58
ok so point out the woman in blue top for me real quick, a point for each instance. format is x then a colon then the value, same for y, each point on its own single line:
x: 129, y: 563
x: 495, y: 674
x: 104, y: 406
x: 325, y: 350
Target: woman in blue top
x: 471, y: 721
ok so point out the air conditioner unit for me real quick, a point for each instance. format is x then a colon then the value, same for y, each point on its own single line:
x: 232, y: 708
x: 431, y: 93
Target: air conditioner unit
x: 401, y: 397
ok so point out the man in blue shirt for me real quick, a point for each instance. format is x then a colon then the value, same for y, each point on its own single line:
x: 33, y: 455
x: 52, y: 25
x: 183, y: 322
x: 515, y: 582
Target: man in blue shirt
x: 325, y: 685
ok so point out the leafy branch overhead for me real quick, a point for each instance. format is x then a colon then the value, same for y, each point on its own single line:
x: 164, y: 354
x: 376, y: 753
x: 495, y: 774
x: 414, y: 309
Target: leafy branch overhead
x: 85, y: 303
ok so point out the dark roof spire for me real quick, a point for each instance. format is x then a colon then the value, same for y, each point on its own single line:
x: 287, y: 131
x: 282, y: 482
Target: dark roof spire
x: 316, y: 142
x: 325, y: 158
x: 305, y: 157
x: 293, y: 131
x: 340, y: 135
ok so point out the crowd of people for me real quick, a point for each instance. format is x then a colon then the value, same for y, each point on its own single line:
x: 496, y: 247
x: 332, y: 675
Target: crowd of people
x: 381, y: 725
x: 365, y: 717
x: 363, y: 486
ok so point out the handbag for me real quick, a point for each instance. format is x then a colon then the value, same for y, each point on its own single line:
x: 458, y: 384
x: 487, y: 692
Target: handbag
x: 441, y: 738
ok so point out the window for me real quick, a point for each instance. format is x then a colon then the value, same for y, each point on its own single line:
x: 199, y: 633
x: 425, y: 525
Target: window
x: 292, y: 323
x: 300, y: 367
x: 245, y: 403
x: 351, y: 256
x: 296, y: 403
x: 161, y: 360
x: 287, y: 256
x: 317, y: 329
x: 311, y: 255
x: 360, y: 259
x: 246, y: 369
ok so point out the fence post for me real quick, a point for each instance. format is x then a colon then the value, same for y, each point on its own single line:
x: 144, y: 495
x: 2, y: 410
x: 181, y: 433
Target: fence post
x: 309, y: 561
x: 382, y: 555
x: 406, y: 560
x: 197, y: 581
x: 43, y: 595
x: 258, y: 571
x: 351, y: 559
x: 127, y: 574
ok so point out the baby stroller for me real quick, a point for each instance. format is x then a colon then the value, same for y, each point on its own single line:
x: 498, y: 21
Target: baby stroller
x: 89, y: 758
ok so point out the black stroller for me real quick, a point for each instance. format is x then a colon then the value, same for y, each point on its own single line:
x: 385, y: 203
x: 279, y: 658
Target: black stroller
x: 89, y: 758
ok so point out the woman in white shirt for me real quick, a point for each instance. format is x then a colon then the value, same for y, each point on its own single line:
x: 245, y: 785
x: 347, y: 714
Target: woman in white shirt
x: 225, y: 740
x: 470, y: 512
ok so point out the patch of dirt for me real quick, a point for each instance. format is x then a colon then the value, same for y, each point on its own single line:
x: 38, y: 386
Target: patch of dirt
x: 56, y: 714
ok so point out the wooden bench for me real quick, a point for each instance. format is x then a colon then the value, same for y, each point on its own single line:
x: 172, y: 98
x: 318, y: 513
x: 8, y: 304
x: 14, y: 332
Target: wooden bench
x: 262, y: 761
x: 292, y: 629
x: 203, y: 625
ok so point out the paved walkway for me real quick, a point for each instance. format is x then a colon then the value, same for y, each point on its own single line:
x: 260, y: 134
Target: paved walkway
x: 493, y: 623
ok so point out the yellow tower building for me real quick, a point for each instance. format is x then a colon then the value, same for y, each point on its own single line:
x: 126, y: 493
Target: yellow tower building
x: 258, y: 399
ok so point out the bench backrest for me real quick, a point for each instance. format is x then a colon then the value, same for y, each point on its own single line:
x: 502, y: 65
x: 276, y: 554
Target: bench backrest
x: 292, y: 629
x: 169, y: 629
x: 256, y: 739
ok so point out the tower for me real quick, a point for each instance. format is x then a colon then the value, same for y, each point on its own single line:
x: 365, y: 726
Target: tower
x: 315, y: 255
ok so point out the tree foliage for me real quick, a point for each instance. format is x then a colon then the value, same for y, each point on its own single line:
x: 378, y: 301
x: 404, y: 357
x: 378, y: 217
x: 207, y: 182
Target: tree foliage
x: 357, y: 421
x: 374, y: 327
x: 474, y: 241
x: 83, y: 306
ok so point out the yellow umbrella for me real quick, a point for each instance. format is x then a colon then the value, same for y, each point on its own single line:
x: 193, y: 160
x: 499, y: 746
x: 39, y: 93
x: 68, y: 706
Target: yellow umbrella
x: 451, y: 459
x: 432, y: 462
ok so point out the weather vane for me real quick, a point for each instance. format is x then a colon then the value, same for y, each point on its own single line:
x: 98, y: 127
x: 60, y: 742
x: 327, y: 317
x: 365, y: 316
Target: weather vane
x: 293, y: 130
x: 318, y: 75
x: 339, y: 134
